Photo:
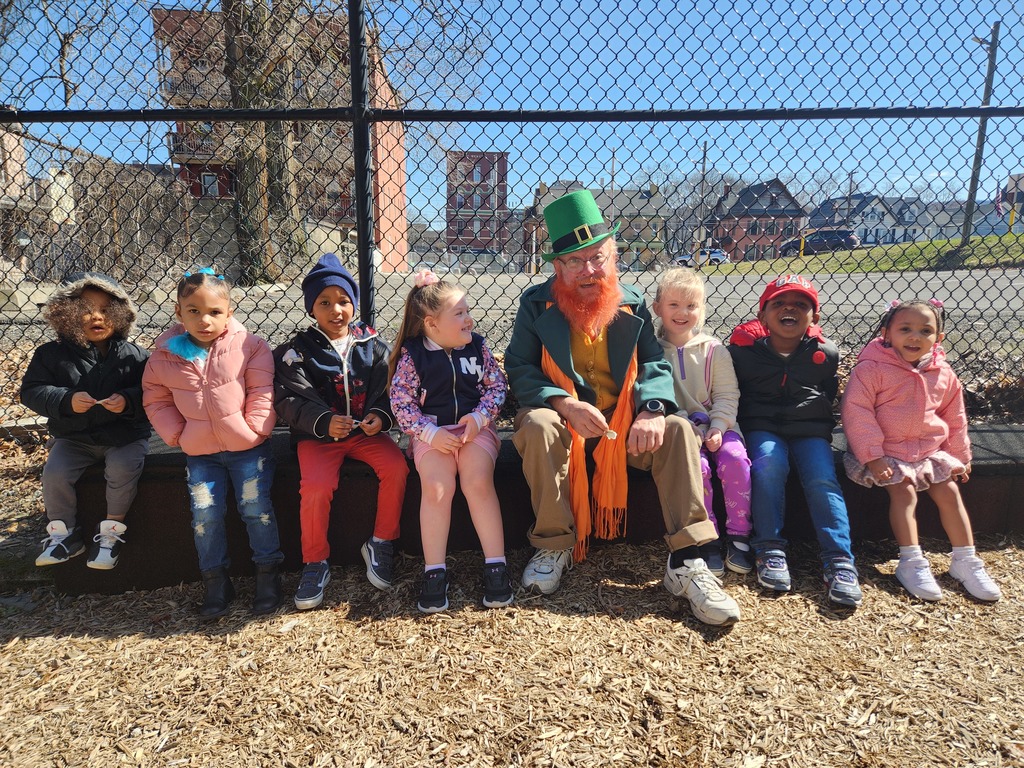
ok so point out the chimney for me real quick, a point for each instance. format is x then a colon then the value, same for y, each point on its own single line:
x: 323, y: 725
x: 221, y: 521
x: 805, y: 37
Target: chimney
x: 726, y: 190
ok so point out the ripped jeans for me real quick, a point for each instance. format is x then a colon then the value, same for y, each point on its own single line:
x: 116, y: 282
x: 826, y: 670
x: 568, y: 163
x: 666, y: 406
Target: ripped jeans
x: 251, y: 473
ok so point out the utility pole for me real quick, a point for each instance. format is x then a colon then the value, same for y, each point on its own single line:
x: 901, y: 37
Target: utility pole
x: 992, y: 46
x: 701, y: 234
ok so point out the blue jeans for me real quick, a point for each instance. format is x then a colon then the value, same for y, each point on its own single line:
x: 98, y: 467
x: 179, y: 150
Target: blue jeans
x: 251, y: 473
x: 770, y: 455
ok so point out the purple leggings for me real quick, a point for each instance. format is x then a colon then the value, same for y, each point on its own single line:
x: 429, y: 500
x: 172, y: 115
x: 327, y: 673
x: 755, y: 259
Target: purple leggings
x: 733, y: 467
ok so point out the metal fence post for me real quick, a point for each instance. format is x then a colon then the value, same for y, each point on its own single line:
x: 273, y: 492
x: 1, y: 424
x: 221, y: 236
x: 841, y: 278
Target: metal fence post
x: 992, y: 46
x: 363, y: 181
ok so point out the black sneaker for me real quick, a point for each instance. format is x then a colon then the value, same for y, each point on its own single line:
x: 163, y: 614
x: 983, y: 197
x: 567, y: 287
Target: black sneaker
x: 380, y: 558
x: 60, y: 544
x: 738, y: 560
x: 711, y: 554
x: 497, y: 586
x: 434, y: 595
x: 312, y: 583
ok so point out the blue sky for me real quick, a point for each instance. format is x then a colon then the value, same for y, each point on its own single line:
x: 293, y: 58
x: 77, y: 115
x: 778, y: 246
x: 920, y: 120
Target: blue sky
x: 639, y: 54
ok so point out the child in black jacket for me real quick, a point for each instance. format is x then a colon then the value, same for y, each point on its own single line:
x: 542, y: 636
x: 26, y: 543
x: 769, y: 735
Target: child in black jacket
x: 330, y: 387
x: 88, y: 384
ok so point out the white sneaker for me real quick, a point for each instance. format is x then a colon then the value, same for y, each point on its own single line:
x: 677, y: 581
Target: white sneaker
x: 970, y: 571
x: 544, y: 571
x: 106, y: 545
x: 60, y: 544
x: 915, y: 574
x: 708, y: 601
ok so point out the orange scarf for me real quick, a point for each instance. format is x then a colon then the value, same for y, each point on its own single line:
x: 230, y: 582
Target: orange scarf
x: 605, y: 513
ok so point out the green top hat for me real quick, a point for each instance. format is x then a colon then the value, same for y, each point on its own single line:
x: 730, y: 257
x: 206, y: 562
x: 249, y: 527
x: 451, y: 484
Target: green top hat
x: 574, y: 221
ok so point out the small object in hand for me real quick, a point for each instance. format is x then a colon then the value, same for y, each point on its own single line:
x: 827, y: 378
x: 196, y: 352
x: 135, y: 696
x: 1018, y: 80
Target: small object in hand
x: 611, y: 434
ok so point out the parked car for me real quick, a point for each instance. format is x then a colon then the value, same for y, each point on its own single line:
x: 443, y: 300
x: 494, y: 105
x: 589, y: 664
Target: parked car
x: 704, y: 256
x: 820, y: 241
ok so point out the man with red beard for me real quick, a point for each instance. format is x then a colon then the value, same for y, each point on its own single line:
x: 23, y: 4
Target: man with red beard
x: 591, y: 379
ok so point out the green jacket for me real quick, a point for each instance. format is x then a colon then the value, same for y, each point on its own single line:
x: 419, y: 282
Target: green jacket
x: 539, y: 327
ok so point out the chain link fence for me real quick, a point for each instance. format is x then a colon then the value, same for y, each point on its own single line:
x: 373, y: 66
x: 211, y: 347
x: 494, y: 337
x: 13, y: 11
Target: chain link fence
x: 875, y: 149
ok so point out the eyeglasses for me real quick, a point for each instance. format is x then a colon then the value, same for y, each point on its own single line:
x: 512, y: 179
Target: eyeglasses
x: 575, y: 264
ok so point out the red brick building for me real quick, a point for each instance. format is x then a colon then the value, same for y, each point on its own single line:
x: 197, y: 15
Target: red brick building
x: 191, y: 47
x: 477, y: 217
x: 751, y: 223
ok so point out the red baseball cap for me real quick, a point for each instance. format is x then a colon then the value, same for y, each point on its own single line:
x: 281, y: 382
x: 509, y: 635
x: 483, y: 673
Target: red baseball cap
x: 789, y: 283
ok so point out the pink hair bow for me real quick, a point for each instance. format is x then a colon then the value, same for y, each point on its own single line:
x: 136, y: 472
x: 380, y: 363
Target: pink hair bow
x: 935, y: 303
x: 424, y: 278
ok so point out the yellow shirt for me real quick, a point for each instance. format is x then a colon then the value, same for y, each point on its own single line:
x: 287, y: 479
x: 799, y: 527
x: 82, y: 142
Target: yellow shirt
x: 590, y: 361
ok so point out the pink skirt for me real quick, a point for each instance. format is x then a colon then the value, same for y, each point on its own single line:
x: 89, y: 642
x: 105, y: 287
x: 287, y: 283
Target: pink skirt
x: 937, y: 468
x: 486, y: 438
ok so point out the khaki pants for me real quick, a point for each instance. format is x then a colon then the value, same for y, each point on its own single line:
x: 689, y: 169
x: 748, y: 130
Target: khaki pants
x: 542, y: 439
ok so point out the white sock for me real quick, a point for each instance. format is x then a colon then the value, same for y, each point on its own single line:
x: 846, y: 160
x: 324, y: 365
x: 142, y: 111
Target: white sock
x: 442, y: 566
x: 959, y: 553
x: 378, y: 539
x: 908, y: 553
x: 493, y: 560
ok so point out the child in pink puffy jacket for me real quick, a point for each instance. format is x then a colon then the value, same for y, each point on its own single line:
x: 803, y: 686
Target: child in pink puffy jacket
x: 208, y: 388
x: 904, y: 419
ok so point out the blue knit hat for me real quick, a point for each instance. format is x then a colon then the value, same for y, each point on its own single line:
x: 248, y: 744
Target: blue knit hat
x: 328, y: 271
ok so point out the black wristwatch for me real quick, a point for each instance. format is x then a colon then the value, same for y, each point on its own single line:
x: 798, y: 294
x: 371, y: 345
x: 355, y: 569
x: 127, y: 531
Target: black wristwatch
x: 654, y: 406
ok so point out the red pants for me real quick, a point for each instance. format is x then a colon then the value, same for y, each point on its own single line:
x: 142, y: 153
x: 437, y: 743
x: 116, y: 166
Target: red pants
x: 320, y: 466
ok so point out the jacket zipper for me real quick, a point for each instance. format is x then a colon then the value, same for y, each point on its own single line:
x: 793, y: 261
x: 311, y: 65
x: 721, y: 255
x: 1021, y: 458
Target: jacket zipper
x: 455, y: 394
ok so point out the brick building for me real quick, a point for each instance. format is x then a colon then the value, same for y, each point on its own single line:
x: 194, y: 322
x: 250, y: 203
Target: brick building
x: 478, y: 221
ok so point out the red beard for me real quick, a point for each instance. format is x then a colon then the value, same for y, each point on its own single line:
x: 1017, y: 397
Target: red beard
x: 589, y: 312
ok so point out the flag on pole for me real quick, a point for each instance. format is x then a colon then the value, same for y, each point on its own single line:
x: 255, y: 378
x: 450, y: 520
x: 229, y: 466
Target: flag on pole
x: 999, y: 202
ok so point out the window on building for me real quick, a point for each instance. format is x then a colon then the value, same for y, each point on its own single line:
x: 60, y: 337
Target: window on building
x: 210, y: 184
x: 476, y: 227
x: 753, y: 227
x: 460, y: 200
x: 769, y: 252
x: 476, y: 202
x: 789, y: 230
x: 460, y: 227
x: 750, y: 253
x: 771, y: 228
x: 654, y: 230
x: 477, y: 175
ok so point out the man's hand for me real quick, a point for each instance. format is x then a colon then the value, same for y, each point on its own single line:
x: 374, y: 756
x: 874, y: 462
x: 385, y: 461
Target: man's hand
x: 82, y: 402
x: 647, y: 433
x: 115, y: 403
x: 371, y: 424
x: 583, y: 417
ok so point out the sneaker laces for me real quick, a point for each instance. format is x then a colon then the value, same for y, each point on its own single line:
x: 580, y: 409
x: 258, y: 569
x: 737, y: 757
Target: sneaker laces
x: 54, y: 538
x: 706, y: 581
x: 547, y: 558
x: 107, y: 540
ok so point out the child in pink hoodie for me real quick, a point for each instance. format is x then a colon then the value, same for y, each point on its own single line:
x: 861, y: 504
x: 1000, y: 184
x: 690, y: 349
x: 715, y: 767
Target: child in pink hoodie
x: 209, y: 389
x: 904, y: 419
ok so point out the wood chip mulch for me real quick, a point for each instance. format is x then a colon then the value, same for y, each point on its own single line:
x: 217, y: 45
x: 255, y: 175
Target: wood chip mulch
x: 611, y: 670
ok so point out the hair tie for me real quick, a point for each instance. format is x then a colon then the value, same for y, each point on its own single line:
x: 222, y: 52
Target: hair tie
x: 205, y: 271
x: 424, y: 278
x: 935, y: 303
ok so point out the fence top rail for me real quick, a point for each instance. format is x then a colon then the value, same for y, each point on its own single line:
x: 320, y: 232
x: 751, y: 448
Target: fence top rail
x: 512, y: 115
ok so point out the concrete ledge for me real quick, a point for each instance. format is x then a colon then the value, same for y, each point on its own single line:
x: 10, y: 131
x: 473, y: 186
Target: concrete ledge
x: 160, y: 551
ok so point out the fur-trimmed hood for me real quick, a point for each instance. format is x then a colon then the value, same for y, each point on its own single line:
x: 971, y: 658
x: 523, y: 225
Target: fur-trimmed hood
x: 65, y: 317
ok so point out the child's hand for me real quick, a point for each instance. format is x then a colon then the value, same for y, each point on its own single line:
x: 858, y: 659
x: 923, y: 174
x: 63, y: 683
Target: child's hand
x: 964, y: 475
x: 879, y: 469
x: 472, y: 428
x: 713, y: 439
x: 340, y: 427
x: 445, y: 442
x: 114, y: 403
x: 371, y: 424
x: 82, y: 402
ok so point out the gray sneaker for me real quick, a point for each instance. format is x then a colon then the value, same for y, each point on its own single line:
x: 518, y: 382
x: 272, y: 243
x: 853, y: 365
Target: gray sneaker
x: 544, y: 571
x: 708, y: 601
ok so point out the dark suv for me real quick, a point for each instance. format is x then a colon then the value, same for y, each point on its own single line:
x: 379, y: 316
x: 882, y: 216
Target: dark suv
x: 821, y: 241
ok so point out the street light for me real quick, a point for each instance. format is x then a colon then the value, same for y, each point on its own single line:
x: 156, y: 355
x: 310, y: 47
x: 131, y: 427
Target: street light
x: 992, y: 46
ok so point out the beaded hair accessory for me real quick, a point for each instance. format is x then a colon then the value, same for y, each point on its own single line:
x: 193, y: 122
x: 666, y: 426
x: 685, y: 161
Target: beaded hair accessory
x: 424, y: 278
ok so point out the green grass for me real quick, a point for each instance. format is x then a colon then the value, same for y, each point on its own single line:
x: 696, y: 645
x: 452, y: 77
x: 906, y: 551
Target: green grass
x: 998, y: 251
